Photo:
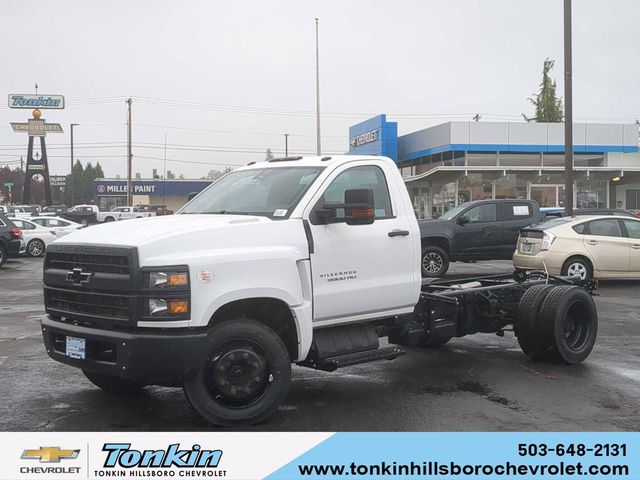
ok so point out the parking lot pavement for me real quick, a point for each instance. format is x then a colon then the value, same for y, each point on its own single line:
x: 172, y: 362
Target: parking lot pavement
x: 481, y: 382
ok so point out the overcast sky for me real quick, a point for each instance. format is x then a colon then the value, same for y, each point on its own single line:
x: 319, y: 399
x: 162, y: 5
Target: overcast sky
x: 225, y: 79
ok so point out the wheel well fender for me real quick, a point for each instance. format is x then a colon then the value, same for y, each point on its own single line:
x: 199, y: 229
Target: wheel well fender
x: 272, y: 312
x: 441, y: 242
x: 580, y: 256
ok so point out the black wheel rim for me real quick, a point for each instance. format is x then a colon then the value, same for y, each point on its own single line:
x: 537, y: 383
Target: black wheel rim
x: 239, y: 374
x: 576, y: 327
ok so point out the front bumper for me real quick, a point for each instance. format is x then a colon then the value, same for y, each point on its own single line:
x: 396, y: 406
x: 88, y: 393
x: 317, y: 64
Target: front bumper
x: 154, y: 357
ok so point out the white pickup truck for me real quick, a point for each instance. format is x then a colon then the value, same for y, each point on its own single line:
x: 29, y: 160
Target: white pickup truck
x: 123, y: 213
x: 295, y: 260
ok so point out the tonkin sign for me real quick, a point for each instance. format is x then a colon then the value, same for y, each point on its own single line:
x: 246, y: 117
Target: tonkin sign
x: 36, y: 101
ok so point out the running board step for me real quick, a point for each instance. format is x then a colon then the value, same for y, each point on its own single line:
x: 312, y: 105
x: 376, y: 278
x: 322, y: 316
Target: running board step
x: 333, y: 363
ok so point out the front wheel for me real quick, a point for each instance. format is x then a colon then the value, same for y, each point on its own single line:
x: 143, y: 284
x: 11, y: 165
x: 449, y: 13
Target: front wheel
x: 84, y: 222
x: 435, y: 261
x: 108, y: 219
x: 36, y: 248
x: 245, y: 377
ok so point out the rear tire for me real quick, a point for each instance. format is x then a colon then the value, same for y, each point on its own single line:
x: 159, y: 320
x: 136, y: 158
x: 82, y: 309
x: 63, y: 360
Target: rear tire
x: 577, y: 266
x: 36, y: 248
x: 527, y: 328
x: 3, y: 255
x: 112, y: 384
x: 245, y: 377
x: 569, y: 321
x: 434, y: 262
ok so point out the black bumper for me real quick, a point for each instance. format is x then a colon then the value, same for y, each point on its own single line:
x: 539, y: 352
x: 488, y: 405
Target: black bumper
x: 155, y: 358
x: 14, y: 248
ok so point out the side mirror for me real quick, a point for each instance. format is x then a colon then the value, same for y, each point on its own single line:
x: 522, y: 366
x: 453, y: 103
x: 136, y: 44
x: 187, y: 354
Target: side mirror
x: 359, y: 206
x: 463, y: 219
x: 191, y: 196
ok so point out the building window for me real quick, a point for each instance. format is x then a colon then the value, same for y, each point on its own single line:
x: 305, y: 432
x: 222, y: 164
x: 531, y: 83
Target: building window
x: 632, y: 198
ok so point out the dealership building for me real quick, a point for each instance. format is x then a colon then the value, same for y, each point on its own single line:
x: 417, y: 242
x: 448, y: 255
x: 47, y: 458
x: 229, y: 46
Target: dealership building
x: 110, y: 193
x: 457, y: 162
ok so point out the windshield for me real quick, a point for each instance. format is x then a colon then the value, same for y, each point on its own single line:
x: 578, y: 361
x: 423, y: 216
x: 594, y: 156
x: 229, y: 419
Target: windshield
x: 449, y: 214
x: 270, y: 192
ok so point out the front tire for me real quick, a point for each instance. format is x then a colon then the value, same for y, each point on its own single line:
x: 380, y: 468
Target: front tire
x: 112, y: 384
x: 245, y: 377
x: 434, y: 262
x: 36, y: 248
x: 108, y: 219
x: 3, y: 255
x: 84, y: 222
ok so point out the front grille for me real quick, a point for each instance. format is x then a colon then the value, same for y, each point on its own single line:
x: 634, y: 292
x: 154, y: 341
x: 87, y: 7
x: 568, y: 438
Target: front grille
x: 96, y: 263
x: 72, y: 304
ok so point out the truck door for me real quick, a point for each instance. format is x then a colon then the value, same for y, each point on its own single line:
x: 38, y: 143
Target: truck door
x: 477, y: 231
x: 362, y: 270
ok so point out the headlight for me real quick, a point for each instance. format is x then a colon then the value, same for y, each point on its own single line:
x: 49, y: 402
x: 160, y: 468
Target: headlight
x: 547, y: 240
x: 164, y: 307
x: 167, y: 279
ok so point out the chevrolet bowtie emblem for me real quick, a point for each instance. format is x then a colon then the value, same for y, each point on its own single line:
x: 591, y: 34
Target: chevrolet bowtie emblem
x: 49, y: 454
x: 78, y: 277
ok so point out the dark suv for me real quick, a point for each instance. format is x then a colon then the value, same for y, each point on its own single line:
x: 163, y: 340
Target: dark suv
x: 11, y: 241
x: 479, y: 230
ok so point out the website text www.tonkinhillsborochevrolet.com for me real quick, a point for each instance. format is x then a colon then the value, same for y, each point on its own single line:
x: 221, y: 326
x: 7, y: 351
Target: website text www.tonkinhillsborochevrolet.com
x: 453, y: 469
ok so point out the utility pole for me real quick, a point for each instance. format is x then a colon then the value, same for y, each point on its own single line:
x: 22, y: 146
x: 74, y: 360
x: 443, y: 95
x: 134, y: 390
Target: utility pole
x: 286, y: 144
x: 71, y: 171
x: 129, y: 154
x: 318, y: 146
x: 568, y: 113
x: 164, y: 170
x: 21, y: 163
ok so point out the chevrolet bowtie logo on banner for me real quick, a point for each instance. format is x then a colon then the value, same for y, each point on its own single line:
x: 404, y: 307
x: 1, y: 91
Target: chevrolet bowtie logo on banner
x: 49, y: 454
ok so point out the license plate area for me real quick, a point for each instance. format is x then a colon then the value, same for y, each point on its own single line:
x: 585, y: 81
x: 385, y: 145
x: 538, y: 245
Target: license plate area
x: 76, y: 348
x: 526, y: 247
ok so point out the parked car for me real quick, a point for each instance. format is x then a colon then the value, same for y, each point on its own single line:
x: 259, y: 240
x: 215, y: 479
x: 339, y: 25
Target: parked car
x: 59, y: 225
x: 549, y: 213
x: 11, y: 239
x: 36, y: 237
x: 82, y: 214
x: 124, y: 213
x: 159, y: 210
x: 478, y: 230
x: 14, y: 211
x: 593, y: 246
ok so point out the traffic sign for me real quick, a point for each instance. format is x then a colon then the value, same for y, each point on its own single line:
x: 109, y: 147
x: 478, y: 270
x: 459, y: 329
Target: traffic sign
x: 8, y: 185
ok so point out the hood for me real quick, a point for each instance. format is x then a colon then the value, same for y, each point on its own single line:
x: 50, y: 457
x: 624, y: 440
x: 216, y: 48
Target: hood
x: 181, y: 236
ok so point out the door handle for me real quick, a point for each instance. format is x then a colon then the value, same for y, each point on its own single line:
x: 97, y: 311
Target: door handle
x: 635, y: 246
x: 592, y: 242
x: 398, y: 233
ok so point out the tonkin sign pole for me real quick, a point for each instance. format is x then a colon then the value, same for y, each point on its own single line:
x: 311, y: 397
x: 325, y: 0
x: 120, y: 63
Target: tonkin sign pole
x: 568, y: 113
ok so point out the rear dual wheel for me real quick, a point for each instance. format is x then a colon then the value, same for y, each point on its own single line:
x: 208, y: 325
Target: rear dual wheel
x: 557, y: 323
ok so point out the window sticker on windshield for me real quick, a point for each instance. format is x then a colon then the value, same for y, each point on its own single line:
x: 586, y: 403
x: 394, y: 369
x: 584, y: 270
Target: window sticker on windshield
x: 281, y: 212
x: 521, y: 210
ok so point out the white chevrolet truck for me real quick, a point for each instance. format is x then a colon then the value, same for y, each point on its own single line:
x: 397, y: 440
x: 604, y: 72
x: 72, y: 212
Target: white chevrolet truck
x: 296, y: 260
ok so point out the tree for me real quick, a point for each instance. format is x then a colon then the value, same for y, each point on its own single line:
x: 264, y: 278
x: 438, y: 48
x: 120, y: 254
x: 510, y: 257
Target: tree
x: 99, y: 172
x: 547, y: 104
x: 268, y: 155
x: 213, y: 175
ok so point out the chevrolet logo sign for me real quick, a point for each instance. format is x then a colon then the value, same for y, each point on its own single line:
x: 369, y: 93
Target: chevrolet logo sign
x: 78, y: 277
x: 49, y: 454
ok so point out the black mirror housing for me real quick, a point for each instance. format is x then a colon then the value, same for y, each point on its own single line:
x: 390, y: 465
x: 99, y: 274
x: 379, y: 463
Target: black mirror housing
x: 463, y: 219
x: 359, y: 206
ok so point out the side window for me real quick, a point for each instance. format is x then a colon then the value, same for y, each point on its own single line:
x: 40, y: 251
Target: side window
x: 482, y: 213
x: 53, y: 223
x: 359, y: 177
x: 517, y: 211
x: 62, y: 224
x: 633, y: 228
x: 607, y: 227
x: 581, y: 229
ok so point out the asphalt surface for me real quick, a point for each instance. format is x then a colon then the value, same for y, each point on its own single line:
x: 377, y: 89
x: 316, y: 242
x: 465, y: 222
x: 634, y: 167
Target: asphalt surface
x: 481, y: 382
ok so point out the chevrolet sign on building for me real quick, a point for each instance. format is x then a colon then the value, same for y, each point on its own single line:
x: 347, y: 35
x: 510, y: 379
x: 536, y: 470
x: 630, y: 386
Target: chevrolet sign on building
x: 36, y: 101
x: 364, y: 138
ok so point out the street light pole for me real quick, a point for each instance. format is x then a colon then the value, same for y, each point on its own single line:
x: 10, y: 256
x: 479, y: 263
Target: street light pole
x: 318, y: 146
x: 286, y: 144
x: 71, y: 171
x: 568, y: 113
